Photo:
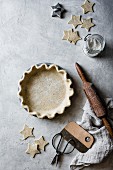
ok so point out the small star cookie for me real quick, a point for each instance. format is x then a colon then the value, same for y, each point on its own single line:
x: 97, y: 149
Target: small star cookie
x: 87, y: 23
x: 41, y: 143
x: 65, y: 37
x: 87, y: 6
x: 32, y: 150
x: 71, y: 36
x: 75, y: 21
x: 27, y: 132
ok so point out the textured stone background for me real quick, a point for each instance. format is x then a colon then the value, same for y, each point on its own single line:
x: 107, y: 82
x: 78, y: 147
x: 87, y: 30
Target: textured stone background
x: 29, y: 35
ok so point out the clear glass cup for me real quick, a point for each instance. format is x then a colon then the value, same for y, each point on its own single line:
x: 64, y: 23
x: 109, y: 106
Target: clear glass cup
x: 93, y: 45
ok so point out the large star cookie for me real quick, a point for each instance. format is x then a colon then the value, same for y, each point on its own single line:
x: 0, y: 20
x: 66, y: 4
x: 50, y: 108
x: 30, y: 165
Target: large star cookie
x: 75, y: 21
x: 32, y: 150
x: 87, y: 23
x: 27, y: 132
x: 87, y: 6
x: 71, y: 36
x: 41, y: 143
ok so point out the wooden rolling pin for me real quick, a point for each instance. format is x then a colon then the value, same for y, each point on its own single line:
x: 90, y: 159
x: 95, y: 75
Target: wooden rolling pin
x: 94, y: 99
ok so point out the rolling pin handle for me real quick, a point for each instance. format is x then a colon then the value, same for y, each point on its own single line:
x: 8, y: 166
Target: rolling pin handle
x: 81, y: 74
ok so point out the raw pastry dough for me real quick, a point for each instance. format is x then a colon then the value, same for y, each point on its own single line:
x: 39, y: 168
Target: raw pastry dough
x: 88, y: 6
x: 32, y: 149
x: 41, y: 143
x: 71, y: 36
x: 87, y: 23
x: 45, y: 90
x: 75, y: 21
x: 27, y: 132
x: 66, y: 35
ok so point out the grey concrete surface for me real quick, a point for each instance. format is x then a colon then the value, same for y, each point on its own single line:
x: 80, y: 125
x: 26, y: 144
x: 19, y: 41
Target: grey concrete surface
x: 29, y: 35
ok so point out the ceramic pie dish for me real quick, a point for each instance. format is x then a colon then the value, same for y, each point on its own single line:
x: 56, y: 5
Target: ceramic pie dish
x: 44, y: 90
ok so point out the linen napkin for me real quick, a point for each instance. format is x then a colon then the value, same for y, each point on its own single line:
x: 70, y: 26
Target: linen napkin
x: 103, y: 144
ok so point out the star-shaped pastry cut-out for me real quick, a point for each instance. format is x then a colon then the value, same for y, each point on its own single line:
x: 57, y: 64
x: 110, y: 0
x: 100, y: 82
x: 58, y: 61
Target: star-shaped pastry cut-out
x: 41, y: 143
x: 32, y: 149
x: 87, y: 23
x: 27, y: 132
x: 87, y: 6
x: 73, y: 37
x: 65, y: 36
x: 75, y: 21
x: 58, y: 10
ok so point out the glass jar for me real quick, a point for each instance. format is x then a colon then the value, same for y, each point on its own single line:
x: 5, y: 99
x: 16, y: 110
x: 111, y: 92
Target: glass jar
x: 93, y: 45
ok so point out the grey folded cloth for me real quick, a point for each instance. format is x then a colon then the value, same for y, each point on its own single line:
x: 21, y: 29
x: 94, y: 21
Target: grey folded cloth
x: 103, y: 144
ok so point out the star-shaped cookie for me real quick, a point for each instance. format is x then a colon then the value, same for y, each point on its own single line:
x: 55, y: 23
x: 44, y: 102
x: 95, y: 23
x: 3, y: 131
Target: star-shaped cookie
x: 75, y: 21
x: 32, y: 149
x: 27, y: 132
x: 65, y: 36
x: 87, y: 6
x: 87, y: 23
x: 41, y: 143
x: 73, y: 37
